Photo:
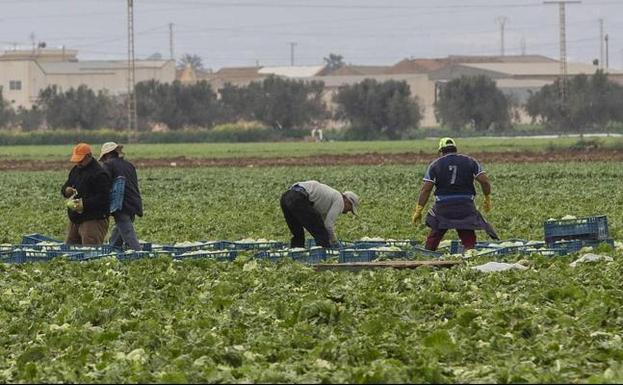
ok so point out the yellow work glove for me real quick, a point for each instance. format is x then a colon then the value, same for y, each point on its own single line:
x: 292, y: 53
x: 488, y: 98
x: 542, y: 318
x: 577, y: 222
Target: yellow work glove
x: 487, y: 204
x: 417, y: 214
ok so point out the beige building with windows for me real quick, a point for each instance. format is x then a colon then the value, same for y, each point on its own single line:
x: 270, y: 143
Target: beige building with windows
x: 516, y: 76
x: 24, y: 73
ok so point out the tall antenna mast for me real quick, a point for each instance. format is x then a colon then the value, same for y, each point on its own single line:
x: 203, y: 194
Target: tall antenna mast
x: 292, y: 45
x: 502, y: 22
x: 171, y: 50
x: 132, y: 117
x: 563, y: 45
x: 523, y: 46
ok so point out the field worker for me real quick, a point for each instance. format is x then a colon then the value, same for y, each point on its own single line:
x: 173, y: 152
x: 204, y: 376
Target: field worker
x: 89, y: 185
x: 315, y: 207
x: 115, y: 165
x: 452, y: 175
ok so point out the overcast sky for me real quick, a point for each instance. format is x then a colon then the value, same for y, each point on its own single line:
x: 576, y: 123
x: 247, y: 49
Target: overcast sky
x: 229, y: 33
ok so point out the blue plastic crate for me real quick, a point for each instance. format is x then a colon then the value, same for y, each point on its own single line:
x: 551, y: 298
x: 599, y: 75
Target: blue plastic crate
x: 272, y: 255
x: 116, y: 194
x: 384, y: 243
x: 422, y: 252
x: 258, y: 245
x: 307, y: 256
x: 340, y: 244
x: 35, y: 238
x: 133, y: 255
x: 577, y: 244
x: 594, y: 228
x: 545, y: 251
x: 175, y: 250
x: 26, y: 256
x: 368, y: 255
x: 89, y: 251
x: 219, y: 255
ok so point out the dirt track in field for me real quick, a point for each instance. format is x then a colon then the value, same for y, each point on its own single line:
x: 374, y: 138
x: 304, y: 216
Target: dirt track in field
x: 333, y: 160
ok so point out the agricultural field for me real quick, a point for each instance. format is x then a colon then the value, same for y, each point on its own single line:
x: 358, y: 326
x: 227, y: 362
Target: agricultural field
x: 299, y: 149
x: 156, y: 320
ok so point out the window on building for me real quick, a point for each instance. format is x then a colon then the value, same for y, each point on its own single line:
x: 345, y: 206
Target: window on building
x: 15, y: 85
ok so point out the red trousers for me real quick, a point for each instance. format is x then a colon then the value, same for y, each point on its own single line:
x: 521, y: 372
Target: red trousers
x: 468, y: 238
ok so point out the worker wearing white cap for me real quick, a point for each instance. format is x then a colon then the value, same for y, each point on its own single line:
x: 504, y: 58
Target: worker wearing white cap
x: 132, y: 204
x: 315, y: 207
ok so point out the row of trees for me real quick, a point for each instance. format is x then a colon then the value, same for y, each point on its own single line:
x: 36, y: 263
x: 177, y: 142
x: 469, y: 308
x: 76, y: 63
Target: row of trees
x: 283, y: 104
x: 371, y: 109
x: 591, y: 102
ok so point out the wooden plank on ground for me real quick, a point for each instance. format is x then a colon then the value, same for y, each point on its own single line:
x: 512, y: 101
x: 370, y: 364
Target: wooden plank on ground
x: 384, y: 264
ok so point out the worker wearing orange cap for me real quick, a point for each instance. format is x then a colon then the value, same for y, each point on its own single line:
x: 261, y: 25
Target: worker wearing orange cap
x: 88, y: 191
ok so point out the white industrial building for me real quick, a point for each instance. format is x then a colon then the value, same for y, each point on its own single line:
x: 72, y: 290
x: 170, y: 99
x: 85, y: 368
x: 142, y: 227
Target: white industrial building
x: 24, y: 73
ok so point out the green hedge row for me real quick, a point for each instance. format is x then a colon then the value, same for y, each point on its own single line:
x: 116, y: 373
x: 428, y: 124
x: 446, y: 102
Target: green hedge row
x: 224, y: 133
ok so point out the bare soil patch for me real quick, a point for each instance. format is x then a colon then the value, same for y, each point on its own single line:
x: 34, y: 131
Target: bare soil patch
x: 373, y: 158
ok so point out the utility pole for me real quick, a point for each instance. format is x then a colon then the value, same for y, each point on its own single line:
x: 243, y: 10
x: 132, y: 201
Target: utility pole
x: 607, y: 53
x: 32, y: 40
x: 601, y: 43
x: 171, y: 50
x: 523, y: 46
x: 502, y: 22
x: 292, y: 45
x: 563, y: 45
x: 132, y: 118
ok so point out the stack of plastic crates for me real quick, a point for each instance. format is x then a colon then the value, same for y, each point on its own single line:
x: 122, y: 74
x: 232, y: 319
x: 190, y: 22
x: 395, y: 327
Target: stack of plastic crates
x: 312, y: 256
x: 588, y: 228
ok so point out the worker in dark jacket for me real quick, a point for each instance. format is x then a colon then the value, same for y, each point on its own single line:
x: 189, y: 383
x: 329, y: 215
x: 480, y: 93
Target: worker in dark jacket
x: 88, y: 187
x: 116, y: 166
x: 453, y: 175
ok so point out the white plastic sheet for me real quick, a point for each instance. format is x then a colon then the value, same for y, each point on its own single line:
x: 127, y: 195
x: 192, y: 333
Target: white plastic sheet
x: 591, y: 258
x: 498, y: 266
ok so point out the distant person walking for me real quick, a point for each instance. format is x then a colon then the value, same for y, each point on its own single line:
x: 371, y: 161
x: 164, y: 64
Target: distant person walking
x: 116, y: 166
x: 89, y: 186
x: 452, y: 175
x: 315, y: 207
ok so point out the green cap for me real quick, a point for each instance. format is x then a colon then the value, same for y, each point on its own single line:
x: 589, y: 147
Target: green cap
x: 446, y: 142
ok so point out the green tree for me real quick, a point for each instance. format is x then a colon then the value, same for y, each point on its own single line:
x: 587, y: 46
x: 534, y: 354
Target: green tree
x: 193, y: 60
x: 6, y: 112
x: 30, y: 119
x: 334, y: 62
x: 177, y: 105
x: 592, y: 102
x: 280, y: 103
x: 377, y: 110
x: 473, y: 100
x: 76, y: 108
